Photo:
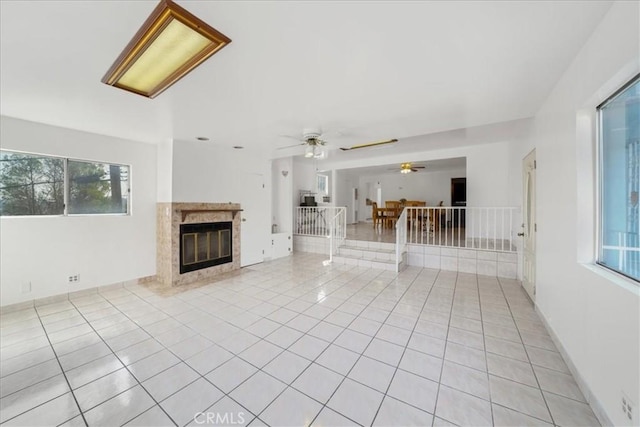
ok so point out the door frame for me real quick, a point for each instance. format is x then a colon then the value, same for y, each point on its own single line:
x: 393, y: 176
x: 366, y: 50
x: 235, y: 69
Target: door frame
x: 529, y: 225
x: 250, y: 213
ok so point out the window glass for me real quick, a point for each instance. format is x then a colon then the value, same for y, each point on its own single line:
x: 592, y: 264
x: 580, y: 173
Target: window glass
x: 620, y: 181
x: 98, y: 188
x: 323, y: 181
x: 31, y: 184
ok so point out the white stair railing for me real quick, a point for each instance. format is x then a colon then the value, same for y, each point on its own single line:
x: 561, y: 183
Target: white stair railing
x: 484, y: 228
x: 401, y: 238
x: 337, y: 231
x: 314, y: 220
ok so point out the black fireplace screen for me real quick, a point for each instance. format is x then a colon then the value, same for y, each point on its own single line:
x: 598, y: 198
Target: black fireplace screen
x: 205, y: 245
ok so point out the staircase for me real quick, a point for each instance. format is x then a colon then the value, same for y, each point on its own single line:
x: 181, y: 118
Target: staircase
x: 368, y: 254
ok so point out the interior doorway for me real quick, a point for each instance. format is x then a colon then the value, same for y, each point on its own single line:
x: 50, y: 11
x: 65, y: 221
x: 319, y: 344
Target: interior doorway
x: 458, y: 199
x: 253, y: 199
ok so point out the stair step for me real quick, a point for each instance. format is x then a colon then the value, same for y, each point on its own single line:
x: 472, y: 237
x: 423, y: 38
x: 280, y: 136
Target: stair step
x: 367, y: 263
x: 364, y: 244
x: 369, y: 254
x: 358, y: 248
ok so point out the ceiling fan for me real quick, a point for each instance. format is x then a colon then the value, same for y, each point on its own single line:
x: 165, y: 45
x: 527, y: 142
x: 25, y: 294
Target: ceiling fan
x: 408, y: 167
x: 310, y: 138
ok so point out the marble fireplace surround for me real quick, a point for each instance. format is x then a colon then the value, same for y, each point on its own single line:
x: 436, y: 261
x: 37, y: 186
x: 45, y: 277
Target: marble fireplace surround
x: 169, y: 216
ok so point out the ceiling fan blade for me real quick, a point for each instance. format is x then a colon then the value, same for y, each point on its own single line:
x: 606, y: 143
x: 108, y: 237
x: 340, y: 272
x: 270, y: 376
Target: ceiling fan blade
x: 289, y: 146
x: 418, y: 167
x: 414, y: 170
x: 370, y: 144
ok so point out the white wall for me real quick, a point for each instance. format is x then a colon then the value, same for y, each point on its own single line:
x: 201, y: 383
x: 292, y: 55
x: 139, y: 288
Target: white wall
x: 206, y: 172
x: 487, y: 168
x: 343, y: 184
x: 431, y: 187
x: 304, y: 178
x: 595, y: 315
x: 164, y: 178
x: 281, y: 188
x: 102, y: 249
x: 487, y: 172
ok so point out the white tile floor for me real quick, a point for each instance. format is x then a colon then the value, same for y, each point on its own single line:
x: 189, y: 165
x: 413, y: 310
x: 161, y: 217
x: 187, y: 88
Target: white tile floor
x: 290, y: 343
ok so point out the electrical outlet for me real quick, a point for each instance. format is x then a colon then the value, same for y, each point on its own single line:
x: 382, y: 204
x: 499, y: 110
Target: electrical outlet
x: 627, y: 407
x: 74, y: 278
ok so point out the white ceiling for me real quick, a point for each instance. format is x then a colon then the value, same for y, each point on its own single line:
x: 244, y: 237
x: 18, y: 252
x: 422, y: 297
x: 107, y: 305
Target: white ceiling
x: 361, y: 70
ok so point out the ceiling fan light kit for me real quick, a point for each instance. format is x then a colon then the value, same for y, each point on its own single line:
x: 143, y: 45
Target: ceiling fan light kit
x: 170, y: 44
x: 312, y: 151
x: 408, y: 167
x: 311, y: 138
x: 309, y: 151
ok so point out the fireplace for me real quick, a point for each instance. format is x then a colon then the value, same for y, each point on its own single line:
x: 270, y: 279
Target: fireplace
x: 205, y: 245
x: 196, y: 242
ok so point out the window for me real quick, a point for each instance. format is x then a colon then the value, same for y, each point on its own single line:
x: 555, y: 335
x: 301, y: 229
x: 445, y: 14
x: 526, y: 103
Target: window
x: 96, y: 188
x: 322, y: 184
x: 619, y: 118
x: 32, y: 184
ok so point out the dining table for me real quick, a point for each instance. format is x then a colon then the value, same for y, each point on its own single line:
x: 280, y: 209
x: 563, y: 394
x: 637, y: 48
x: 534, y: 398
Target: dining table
x: 389, y: 215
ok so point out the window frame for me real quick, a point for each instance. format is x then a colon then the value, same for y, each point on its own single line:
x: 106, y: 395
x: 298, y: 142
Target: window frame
x: 66, y: 186
x: 599, y: 240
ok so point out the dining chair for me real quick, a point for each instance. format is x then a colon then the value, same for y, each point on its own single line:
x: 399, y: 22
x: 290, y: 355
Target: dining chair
x: 392, y: 215
x: 415, y: 216
x: 378, y: 218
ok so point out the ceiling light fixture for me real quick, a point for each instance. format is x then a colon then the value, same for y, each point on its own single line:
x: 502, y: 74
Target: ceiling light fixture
x: 170, y: 44
x: 310, y: 151
x: 405, y: 168
x: 313, y: 151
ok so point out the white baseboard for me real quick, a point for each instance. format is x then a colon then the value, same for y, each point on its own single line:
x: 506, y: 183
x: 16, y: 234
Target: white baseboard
x: 596, y: 406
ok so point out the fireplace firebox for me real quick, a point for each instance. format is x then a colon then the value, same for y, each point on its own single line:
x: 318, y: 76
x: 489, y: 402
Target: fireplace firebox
x: 204, y: 245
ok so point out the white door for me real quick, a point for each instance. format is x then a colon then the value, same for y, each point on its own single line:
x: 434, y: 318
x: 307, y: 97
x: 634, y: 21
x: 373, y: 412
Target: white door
x: 529, y: 227
x: 254, y: 227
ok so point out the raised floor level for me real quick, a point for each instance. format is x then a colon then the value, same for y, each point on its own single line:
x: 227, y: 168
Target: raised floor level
x: 368, y: 246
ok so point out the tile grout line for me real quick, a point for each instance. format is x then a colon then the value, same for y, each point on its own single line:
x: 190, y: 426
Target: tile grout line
x: 63, y: 372
x: 299, y: 290
x: 306, y: 334
x: 525, y: 352
x: 365, y: 349
x: 125, y: 367
x: 258, y: 369
x: 320, y: 354
x: 484, y: 343
x: 444, y: 355
x: 397, y: 367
